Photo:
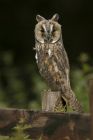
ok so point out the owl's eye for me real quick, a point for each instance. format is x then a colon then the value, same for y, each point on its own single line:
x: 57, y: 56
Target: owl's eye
x: 42, y: 30
x: 53, y: 30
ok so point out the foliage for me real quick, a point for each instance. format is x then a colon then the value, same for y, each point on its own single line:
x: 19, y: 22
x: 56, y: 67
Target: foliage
x: 21, y: 85
x: 19, y: 132
x: 79, y: 79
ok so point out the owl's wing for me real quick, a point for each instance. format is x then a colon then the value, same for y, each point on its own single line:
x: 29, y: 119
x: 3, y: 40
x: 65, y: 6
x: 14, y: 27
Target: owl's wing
x: 61, y: 58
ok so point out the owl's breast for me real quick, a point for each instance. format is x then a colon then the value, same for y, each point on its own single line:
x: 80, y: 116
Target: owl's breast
x: 44, y: 61
x: 49, y: 68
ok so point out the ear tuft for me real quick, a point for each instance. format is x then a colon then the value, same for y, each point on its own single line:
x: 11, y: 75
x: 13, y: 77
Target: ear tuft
x: 39, y: 18
x: 55, y: 17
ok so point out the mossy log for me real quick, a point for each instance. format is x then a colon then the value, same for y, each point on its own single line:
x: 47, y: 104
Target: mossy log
x: 51, y: 126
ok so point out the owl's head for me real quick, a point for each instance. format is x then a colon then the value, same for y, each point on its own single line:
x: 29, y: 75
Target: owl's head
x: 47, y: 31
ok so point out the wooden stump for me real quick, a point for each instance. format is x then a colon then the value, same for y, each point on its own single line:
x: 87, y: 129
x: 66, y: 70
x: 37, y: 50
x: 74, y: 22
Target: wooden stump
x: 50, y: 99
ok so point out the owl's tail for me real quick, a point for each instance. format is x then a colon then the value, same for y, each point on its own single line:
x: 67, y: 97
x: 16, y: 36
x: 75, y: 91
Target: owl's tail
x: 73, y: 101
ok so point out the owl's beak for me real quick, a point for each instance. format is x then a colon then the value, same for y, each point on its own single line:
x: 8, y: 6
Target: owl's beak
x: 48, y: 37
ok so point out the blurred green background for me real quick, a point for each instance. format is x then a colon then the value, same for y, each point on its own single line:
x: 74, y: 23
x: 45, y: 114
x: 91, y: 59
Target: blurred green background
x: 20, y: 82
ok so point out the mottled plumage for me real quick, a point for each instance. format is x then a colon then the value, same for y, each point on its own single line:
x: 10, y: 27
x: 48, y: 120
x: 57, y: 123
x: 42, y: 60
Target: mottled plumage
x: 52, y: 59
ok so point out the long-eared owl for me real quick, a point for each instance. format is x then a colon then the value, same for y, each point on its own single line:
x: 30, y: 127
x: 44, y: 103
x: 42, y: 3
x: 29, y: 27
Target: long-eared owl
x: 52, y: 59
